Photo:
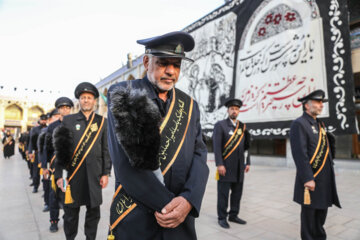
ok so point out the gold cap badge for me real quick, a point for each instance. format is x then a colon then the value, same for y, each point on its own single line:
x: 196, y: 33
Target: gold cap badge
x: 178, y: 49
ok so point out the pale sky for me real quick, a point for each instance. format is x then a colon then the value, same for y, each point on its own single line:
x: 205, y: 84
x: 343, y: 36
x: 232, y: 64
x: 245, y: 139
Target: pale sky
x: 53, y: 45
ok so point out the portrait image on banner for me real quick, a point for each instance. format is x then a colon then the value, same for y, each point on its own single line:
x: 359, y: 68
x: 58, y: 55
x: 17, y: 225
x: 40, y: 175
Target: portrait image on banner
x: 209, y: 79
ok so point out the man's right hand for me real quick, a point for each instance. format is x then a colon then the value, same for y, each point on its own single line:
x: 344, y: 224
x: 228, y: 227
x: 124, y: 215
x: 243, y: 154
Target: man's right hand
x: 222, y: 170
x: 310, y: 185
x: 46, y: 173
x: 59, y: 183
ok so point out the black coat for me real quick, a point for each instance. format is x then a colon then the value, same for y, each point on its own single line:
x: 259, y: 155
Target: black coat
x: 187, y: 178
x: 235, y: 163
x: 34, y: 134
x: 48, y: 146
x: 85, y: 185
x: 40, y: 146
x: 9, y: 149
x: 304, y: 136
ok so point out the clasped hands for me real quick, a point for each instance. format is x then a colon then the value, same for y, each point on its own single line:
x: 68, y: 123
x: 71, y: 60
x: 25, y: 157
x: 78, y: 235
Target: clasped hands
x: 174, y: 213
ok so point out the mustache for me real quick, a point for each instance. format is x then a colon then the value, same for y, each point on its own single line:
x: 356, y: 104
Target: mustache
x: 168, y: 78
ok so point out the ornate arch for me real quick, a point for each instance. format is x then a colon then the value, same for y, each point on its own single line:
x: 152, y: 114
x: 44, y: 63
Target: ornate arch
x: 34, y: 113
x: 13, y: 112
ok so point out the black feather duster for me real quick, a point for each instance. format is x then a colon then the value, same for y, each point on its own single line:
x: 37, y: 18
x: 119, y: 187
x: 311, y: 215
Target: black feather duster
x: 63, y: 141
x: 137, y: 121
x: 49, y: 145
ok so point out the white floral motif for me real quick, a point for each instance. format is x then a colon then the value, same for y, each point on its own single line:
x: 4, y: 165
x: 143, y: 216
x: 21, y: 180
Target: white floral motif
x: 338, y: 62
x: 278, y: 131
x: 270, y: 131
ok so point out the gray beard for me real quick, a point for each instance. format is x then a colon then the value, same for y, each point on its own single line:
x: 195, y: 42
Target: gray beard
x: 314, y: 114
x: 154, y: 83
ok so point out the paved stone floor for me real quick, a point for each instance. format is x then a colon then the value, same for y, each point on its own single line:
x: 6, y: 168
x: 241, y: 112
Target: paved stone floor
x: 266, y: 205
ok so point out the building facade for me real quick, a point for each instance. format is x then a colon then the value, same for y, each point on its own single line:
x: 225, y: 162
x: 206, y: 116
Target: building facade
x: 19, y: 114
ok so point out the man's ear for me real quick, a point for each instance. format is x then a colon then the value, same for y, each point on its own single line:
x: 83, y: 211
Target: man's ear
x: 146, y: 60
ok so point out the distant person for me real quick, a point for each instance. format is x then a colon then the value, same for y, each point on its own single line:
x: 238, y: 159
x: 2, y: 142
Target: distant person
x: 231, y: 143
x: 8, y: 145
x: 34, y: 153
x: 313, y: 150
x: 22, y: 145
x: 63, y: 106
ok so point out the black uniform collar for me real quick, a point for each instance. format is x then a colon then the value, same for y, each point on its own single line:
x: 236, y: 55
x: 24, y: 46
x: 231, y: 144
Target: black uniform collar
x: 310, y: 118
x: 230, y: 122
x: 153, y: 91
x: 81, y: 116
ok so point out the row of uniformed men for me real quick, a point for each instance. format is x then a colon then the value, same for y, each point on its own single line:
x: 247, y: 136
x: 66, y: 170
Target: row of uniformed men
x: 161, y: 175
x: 39, y: 149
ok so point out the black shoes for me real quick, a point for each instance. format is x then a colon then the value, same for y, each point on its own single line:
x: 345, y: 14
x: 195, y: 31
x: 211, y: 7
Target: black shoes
x: 35, y: 190
x: 46, y: 208
x: 31, y: 184
x: 53, y: 227
x: 223, y: 223
x: 237, y: 220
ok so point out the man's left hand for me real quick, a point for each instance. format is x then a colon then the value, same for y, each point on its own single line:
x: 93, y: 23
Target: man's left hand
x: 174, y: 213
x: 247, y: 168
x: 104, y: 181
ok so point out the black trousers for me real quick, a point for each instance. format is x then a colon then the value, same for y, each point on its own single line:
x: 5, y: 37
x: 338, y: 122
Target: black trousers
x: 223, y: 198
x: 312, y: 223
x: 54, y: 201
x: 35, y: 175
x: 71, y: 222
x: 30, y: 167
x: 46, y: 187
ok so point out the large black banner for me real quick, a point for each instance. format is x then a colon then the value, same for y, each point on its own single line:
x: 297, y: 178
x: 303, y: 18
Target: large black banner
x: 269, y: 53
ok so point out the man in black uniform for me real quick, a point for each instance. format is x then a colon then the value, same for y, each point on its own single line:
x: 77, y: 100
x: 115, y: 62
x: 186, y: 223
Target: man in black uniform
x: 63, y: 106
x: 149, y: 205
x: 22, y: 144
x: 33, y: 152
x: 29, y: 164
x: 42, y: 157
x: 313, y: 151
x: 231, y: 142
x: 81, y: 149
